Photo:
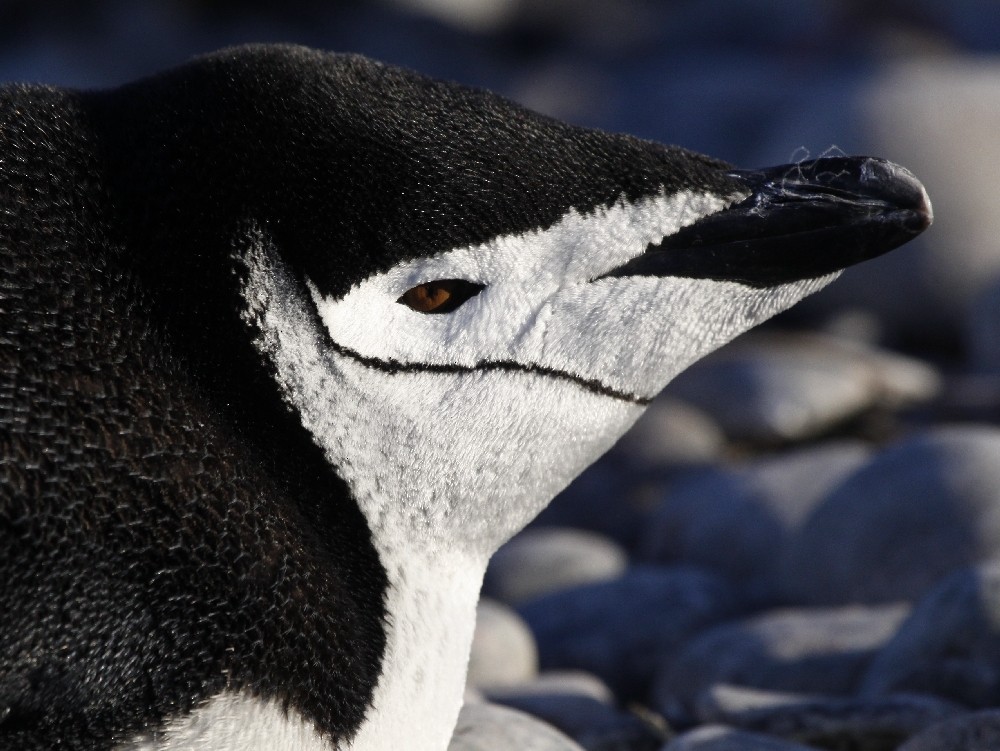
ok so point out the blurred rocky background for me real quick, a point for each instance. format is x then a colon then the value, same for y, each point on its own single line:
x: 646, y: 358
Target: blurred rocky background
x: 798, y: 547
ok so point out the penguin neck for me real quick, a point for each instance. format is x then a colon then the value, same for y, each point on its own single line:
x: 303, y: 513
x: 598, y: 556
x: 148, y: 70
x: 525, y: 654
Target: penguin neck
x: 431, y: 611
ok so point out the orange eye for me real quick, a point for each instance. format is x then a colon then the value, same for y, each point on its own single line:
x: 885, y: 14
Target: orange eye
x: 439, y: 296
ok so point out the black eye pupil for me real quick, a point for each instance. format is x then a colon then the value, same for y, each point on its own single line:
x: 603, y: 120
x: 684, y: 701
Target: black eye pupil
x: 440, y: 296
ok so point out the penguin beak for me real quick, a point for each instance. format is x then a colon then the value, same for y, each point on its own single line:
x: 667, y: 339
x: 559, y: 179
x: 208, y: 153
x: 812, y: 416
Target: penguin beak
x: 800, y: 221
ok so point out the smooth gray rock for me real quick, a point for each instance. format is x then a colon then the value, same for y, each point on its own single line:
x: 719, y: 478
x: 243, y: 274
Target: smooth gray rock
x: 557, y: 682
x: 503, y: 648
x: 488, y: 727
x: 823, y: 651
x: 825, y: 721
x: 778, y: 387
x: 593, y: 724
x: 919, y: 510
x: 975, y: 731
x: 670, y: 433
x: 950, y: 644
x: 721, y: 738
x: 619, y: 630
x: 737, y: 520
x: 546, y: 559
x: 604, y: 500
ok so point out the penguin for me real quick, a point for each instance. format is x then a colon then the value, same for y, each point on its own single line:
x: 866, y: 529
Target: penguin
x: 292, y: 341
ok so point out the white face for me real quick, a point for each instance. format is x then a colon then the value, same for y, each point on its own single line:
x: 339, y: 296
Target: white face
x: 457, y: 428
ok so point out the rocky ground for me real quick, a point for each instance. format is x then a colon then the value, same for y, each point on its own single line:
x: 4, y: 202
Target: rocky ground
x: 798, y: 547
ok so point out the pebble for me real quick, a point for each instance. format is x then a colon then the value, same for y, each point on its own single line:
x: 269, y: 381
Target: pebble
x: 722, y: 738
x: 620, y: 630
x: 975, y: 731
x: 488, y: 727
x: 503, y: 648
x: 781, y: 387
x: 558, y: 682
x: 669, y: 434
x: 602, y: 500
x: 950, y: 644
x: 591, y: 723
x: 825, y: 721
x: 919, y: 510
x: 822, y: 651
x: 546, y: 559
x: 736, y: 520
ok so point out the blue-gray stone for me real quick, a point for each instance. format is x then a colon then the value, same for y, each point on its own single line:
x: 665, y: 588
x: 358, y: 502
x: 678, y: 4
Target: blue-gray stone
x: 602, y: 499
x: 541, y: 560
x: 737, y: 520
x: 488, y: 727
x: 769, y: 387
x: 669, y: 434
x: 974, y: 731
x: 557, y: 682
x: 722, y: 738
x: 875, y: 724
x: 822, y: 651
x: 950, y: 644
x: 621, y: 629
x: 593, y: 724
x: 918, y: 511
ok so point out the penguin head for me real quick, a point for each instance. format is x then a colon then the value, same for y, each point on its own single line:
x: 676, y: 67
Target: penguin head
x: 463, y: 302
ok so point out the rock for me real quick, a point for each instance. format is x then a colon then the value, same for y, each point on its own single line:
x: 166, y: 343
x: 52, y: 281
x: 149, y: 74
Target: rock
x: 975, y: 731
x: 950, y: 644
x: 670, y: 433
x: 503, y: 649
x: 772, y: 387
x: 736, y: 521
x: 823, y: 651
x: 488, y: 727
x: 721, y: 738
x: 558, y: 682
x: 765, y: 397
x: 593, y: 724
x: 826, y: 722
x: 919, y: 510
x: 602, y: 499
x: 546, y: 559
x: 619, y: 630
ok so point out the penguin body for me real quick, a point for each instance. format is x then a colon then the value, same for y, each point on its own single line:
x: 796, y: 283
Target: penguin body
x: 292, y: 342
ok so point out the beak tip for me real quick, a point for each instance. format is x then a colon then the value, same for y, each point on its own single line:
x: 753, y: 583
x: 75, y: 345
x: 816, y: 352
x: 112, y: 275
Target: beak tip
x: 899, y: 185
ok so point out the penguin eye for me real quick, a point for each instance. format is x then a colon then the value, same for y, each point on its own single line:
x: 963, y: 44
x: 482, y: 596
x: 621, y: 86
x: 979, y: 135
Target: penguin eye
x: 439, y: 296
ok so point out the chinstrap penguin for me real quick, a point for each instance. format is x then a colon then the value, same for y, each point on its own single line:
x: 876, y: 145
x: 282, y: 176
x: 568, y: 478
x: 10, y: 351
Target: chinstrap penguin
x: 291, y: 342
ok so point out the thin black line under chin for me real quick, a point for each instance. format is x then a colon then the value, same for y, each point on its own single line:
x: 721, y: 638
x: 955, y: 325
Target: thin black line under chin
x: 391, y: 366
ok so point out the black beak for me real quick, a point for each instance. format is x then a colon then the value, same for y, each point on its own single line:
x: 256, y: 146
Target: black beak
x: 800, y: 221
